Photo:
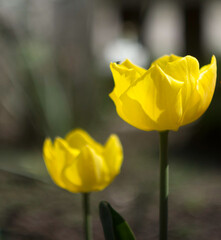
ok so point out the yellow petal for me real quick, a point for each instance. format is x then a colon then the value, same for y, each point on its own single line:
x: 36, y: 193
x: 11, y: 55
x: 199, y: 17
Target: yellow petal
x: 159, y: 96
x: 129, y: 65
x: 184, y: 69
x: 51, y: 162
x: 202, y: 96
x: 79, y: 138
x: 124, y: 74
x: 68, y: 153
x: 113, y: 155
x: 134, y: 114
x: 69, y: 157
x: 48, y: 150
x: 163, y: 61
x: 56, y: 159
x: 91, y: 171
x: 131, y: 112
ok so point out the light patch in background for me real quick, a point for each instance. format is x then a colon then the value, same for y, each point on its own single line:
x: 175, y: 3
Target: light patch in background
x: 163, y: 29
x: 211, y: 22
x: 111, y: 41
x: 125, y: 48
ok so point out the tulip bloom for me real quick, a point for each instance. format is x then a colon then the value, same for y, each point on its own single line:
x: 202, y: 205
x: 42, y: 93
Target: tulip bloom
x: 79, y: 164
x: 173, y: 92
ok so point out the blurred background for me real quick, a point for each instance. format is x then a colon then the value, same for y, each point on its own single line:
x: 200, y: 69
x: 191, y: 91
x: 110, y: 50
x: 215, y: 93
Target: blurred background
x: 55, y: 76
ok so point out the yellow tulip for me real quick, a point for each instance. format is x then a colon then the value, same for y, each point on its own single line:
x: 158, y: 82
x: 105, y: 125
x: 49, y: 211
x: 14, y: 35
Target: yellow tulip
x: 79, y: 164
x: 173, y: 92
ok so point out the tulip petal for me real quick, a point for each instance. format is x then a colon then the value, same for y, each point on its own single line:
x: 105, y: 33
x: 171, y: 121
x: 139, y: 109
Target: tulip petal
x: 68, y: 157
x: 128, y: 109
x: 79, y: 138
x: 124, y: 74
x: 49, y: 159
x: 134, y: 114
x: 55, y: 160
x: 113, y: 155
x: 131, y: 112
x: 128, y: 64
x: 51, y: 162
x: 160, y: 98
x: 207, y: 83
x: 118, y: 105
x: 91, y: 170
x: 202, y: 96
x: 184, y: 69
x: 163, y: 61
x: 64, y: 148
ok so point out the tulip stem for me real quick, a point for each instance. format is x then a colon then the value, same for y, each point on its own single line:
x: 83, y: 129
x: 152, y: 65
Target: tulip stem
x: 164, y: 186
x: 87, y: 216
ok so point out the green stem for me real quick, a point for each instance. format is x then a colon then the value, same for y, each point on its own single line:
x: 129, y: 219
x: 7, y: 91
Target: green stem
x: 87, y: 216
x: 164, y: 185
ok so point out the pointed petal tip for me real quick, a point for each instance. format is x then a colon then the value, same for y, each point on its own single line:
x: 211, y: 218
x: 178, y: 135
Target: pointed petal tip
x: 76, y: 131
x: 126, y: 61
x: 111, y: 64
x: 114, y: 66
x: 47, y: 144
x: 213, y: 59
x: 47, y: 140
x: 114, y: 138
x: 113, y: 97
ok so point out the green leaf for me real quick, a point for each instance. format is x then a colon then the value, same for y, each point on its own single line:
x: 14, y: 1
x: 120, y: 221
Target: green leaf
x: 114, y: 225
x: 107, y: 221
